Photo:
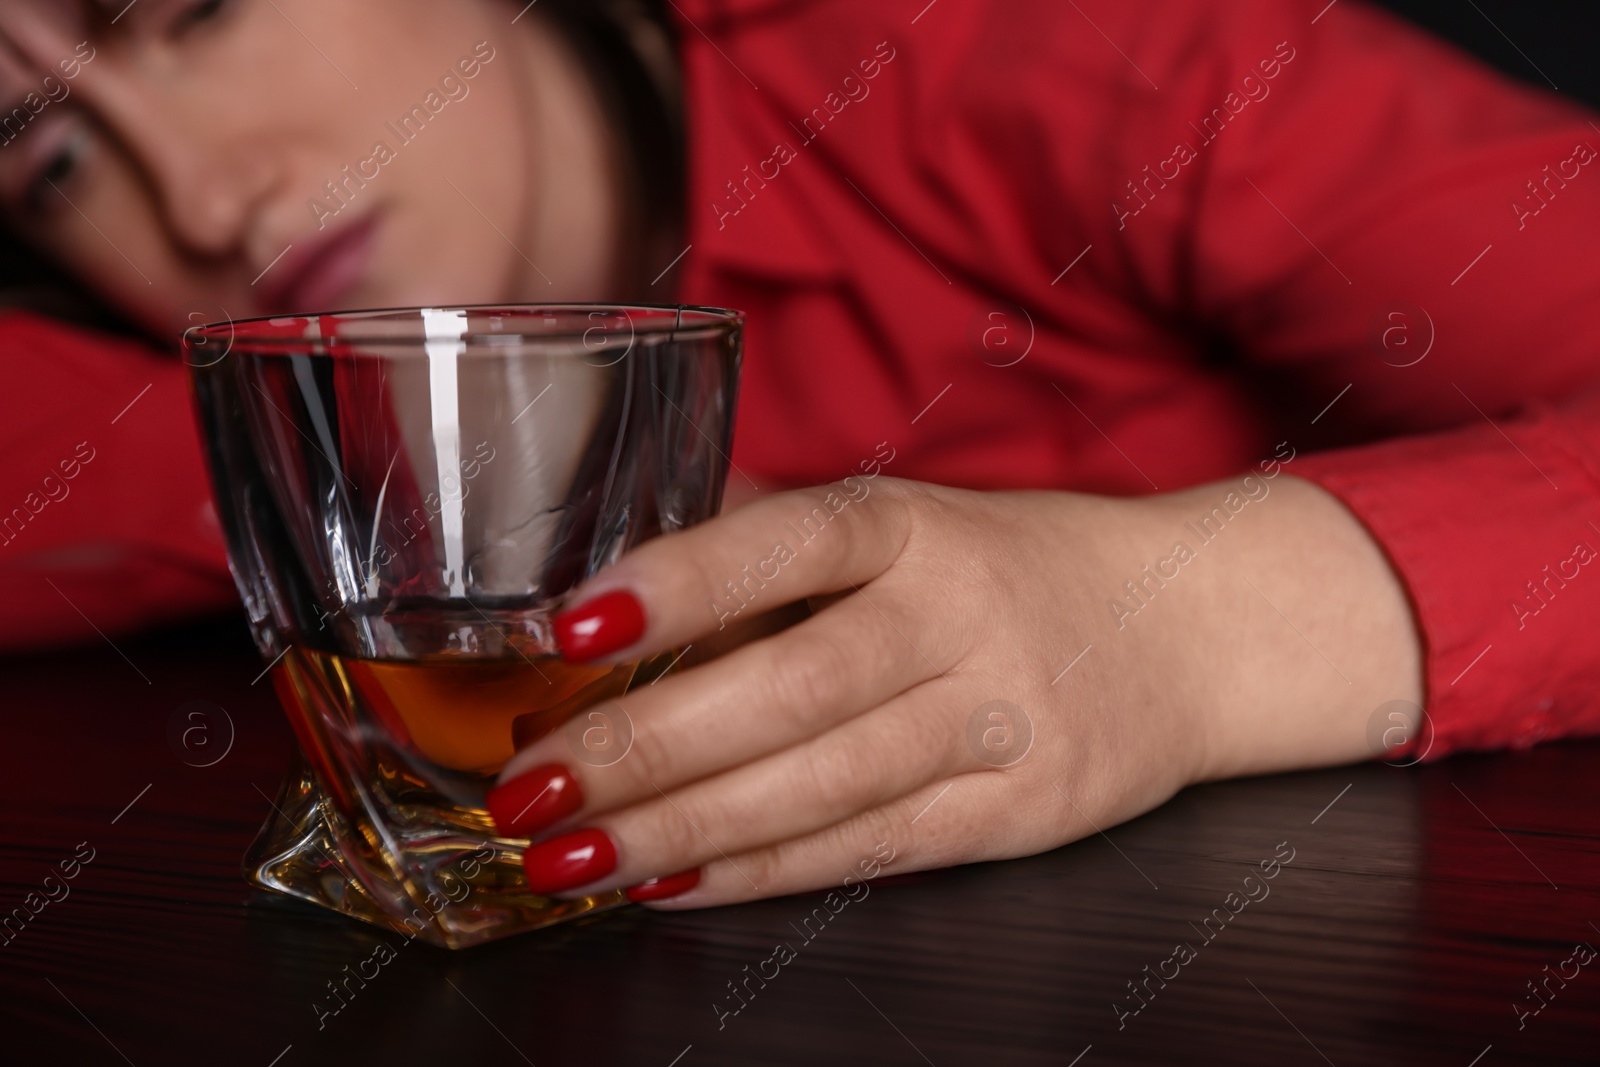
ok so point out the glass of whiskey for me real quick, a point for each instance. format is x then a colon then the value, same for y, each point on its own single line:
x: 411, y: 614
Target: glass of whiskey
x: 407, y: 497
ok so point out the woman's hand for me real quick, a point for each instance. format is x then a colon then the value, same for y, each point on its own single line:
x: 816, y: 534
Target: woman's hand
x: 987, y: 675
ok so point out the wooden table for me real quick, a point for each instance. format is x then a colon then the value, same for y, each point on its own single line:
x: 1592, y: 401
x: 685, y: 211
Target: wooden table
x: 1416, y: 907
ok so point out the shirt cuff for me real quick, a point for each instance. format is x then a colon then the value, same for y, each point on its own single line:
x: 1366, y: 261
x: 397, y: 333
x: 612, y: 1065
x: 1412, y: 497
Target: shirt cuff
x: 1493, y: 530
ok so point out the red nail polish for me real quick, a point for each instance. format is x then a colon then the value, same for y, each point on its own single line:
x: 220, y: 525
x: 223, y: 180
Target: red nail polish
x: 569, y: 861
x: 600, y: 626
x: 663, y: 888
x: 534, y: 800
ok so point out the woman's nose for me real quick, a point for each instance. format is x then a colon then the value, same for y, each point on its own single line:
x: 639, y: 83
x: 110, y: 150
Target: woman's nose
x: 209, y: 177
x: 207, y: 186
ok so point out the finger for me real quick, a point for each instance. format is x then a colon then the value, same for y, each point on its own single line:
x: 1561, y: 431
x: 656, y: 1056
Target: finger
x: 753, y: 702
x: 775, y: 551
x: 747, y: 629
x: 871, y: 760
x: 965, y: 819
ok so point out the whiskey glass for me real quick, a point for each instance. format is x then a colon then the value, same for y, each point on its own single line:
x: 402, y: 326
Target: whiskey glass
x: 407, y: 496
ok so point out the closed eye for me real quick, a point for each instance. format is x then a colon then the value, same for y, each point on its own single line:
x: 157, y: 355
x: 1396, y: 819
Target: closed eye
x: 198, y: 13
x: 43, y: 164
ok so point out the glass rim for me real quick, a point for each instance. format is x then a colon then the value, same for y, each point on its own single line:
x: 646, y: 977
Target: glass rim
x: 235, y: 331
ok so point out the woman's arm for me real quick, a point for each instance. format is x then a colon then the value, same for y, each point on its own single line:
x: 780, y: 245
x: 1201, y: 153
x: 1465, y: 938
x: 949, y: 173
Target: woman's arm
x: 1401, y: 244
x: 106, y: 522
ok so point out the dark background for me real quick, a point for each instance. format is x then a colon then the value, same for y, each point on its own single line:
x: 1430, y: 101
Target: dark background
x: 1557, y: 37
x: 1421, y: 901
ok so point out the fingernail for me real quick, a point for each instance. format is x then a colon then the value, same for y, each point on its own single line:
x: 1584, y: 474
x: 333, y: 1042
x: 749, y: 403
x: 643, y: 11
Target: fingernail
x: 534, y: 800
x: 662, y: 888
x: 600, y: 626
x: 569, y: 861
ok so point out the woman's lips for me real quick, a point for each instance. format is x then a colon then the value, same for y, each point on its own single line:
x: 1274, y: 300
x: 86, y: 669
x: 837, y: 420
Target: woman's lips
x: 317, y: 273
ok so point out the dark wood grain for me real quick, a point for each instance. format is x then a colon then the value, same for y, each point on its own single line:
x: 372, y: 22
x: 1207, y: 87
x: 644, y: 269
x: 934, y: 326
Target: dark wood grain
x: 1402, y: 932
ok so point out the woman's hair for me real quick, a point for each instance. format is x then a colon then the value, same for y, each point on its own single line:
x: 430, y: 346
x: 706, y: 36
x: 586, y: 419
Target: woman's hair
x: 630, y: 48
x: 33, y: 281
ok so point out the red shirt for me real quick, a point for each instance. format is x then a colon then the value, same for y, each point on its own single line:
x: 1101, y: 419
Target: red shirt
x: 1117, y: 246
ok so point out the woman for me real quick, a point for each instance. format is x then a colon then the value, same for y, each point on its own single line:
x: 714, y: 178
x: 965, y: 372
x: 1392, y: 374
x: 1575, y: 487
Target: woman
x: 1143, y: 256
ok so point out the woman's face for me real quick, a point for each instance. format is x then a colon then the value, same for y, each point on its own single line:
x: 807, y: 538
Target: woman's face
x: 194, y: 160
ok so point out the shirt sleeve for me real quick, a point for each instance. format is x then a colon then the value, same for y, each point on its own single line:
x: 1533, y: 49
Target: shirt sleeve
x: 1400, y: 244
x: 106, y: 521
